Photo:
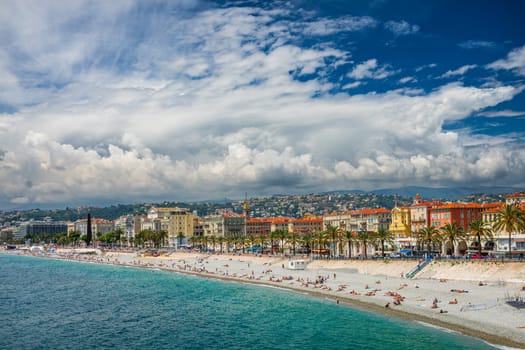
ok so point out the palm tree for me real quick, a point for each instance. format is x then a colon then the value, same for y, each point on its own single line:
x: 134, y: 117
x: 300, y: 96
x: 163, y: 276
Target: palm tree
x: 282, y: 235
x: 118, y: 235
x: 364, y: 238
x: 262, y: 241
x: 213, y: 240
x: 195, y: 240
x: 180, y: 236
x: 273, y: 237
x: 160, y: 237
x: 293, y: 240
x: 229, y: 241
x: 384, y: 236
x: 453, y: 233
x: 74, y: 236
x: 428, y: 235
x: 241, y: 239
x: 331, y: 232
x: 307, y: 240
x: 220, y: 240
x: 320, y: 237
x: 480, y: 230
x: 510, y: 219
x: 252, y: 239
x: 341, y: 239
x: 349, y: 238
x: 204, y: 241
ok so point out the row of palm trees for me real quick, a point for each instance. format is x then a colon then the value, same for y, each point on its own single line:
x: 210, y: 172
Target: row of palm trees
x: 509, y: 219
x: 333, y: 240
x: 329, y: 242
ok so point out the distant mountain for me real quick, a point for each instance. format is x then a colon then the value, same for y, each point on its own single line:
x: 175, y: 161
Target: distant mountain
x: 449, y: 193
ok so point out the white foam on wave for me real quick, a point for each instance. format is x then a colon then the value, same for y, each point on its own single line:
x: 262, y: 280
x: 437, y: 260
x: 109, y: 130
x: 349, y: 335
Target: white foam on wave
x: 273, y: 287
x: 437, y: 327
x: 502, y: 347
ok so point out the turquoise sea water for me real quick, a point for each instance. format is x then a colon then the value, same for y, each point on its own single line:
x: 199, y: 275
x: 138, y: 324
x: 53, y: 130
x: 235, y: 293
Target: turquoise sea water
x: 51, y: 304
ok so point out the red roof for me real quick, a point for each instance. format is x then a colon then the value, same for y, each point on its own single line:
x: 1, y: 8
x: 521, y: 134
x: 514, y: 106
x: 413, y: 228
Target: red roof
x: 515, y: 195
x: 308, y: 219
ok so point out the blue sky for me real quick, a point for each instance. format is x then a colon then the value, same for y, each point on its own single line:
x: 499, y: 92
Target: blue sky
x: 125, y: 101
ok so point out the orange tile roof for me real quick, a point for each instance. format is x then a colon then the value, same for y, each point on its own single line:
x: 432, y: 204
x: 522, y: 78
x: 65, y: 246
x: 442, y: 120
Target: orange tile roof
x: 280, y: 220
x: 424, y: 204
x: 308, y: 219
x: 374, y: 211
x: 456, y: 205
x: 515, y: 195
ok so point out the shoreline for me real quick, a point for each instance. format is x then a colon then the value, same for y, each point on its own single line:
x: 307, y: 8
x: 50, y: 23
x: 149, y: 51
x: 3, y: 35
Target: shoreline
x: 492, y: 339
x: 498, y: 324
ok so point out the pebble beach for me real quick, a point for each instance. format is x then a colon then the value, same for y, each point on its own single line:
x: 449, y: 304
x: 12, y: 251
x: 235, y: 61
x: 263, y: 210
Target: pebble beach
x: 464, y: 296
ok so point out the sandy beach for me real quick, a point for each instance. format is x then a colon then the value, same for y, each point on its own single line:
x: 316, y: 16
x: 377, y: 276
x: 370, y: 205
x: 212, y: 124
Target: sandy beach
x: 464, y: 296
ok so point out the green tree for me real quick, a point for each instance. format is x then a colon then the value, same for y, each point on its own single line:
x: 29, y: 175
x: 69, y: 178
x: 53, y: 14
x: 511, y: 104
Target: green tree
x: 293, y: 241
x: 480, y: 230
x: 331, y: 232
x: 213, y: 241
x: 364, y: 238
x: 349, y: 238
x: 384, y: 236
x: 107, y: 237
x: 261, y: 239
x: 118, y: 236
x: 74, y: 236
x: 307, y: 241
x: 510, y: 219
x: 320, y: 238
x: 220, y: 240
x: 453, y: 233
x: 160, y: 238
x: 252, y: 239
x: 428, y: 235
x: 282, y: 235
x: 230, y: 240
x: 195, y: 240
x: 63, y: 239
x: 180, y: 237
x: 273, y: 237
x: 241, y: 240
x: 204, y: 241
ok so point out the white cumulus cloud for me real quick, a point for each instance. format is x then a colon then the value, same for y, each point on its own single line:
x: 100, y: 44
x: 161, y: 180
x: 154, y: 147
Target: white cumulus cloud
x: 515, y: 61
x: 400, y: 28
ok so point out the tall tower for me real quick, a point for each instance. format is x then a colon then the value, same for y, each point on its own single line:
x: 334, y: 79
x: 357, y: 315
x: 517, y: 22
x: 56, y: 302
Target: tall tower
x: 417, y: 199
x: 246, y: 207
x: 89, y: 231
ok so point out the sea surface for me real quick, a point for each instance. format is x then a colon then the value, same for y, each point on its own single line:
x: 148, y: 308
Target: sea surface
x: 53, y: 304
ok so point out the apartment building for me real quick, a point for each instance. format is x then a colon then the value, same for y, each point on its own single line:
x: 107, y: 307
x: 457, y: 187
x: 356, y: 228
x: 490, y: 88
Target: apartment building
x: 98, y: 226
x: 224, y: 225
x: 309, y: 224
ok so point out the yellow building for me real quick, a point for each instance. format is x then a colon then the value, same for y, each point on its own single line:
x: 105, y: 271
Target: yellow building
x: 178, y: 222
x: 400, y: 226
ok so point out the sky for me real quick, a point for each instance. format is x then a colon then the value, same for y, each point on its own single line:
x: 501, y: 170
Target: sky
x: 135, y: 101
